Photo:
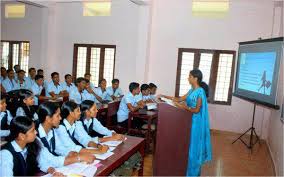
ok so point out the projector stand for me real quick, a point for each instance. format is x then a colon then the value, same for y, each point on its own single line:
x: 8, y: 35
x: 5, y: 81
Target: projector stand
x: 252, y: 131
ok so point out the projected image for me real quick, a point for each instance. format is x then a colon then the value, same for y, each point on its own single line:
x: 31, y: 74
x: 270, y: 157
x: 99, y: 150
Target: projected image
x: 256, y: 72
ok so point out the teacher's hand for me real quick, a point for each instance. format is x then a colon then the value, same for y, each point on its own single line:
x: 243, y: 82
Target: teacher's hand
x: 180, y: 105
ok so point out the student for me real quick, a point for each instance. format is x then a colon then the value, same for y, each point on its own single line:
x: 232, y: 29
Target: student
x: 22, y: 82
x: 129, y: 104
x: 114, y: 91
x: 145, y: 94
x: 91, y: 124
x: 88, y: 77
x: 9, y: 83
x: 5, y: 117
x: 3, y: 74
x: 21, y: 155
x: 31, y: 78
x: 37, y: 89
x: 153, y: 89
x: 54, y: 89
x: 76, y: 94
x: 26, y: 105
x: 101, y: 91
x: 49, y: 118
x: 16, y: 69
x: 68, y: 84
x: 45, y: 83
x: 74, y: 138
x: 88, y: 93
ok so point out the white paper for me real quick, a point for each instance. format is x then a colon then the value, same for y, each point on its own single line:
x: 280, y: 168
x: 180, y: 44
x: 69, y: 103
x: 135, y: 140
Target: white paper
x: 112, y: 143
x: 104, y: 156
x: 168, y: 101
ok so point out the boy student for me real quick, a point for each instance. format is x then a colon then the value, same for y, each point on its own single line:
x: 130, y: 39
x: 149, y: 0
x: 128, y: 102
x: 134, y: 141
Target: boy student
x: 88, y: 77
x: 100, y: 92
x: 9, y: 83
x: 76, y: 94
x: 22, y: 83
x: 129, y: 104
x: 45, y: 82
x: 145, y: 94
x: 31, y: 78
x: 113, y: 92
x: 54, y: 89
x: 37, y: 89
x: 5, y: 117
x: 153, y: 89
x: 68, y: 84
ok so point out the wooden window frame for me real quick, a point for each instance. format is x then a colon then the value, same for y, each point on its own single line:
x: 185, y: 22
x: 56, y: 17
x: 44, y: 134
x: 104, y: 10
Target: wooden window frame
x: 213, y: 72
x: 88, y: 61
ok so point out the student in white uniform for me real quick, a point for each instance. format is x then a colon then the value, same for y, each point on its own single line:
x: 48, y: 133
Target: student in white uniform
x: 88, y: 93
x: 31, y: 78
x: 144, y: 94
x: 23, y: 155
x: 5, y: 117
x: 113, y: 92
x: 68, y: 84
x: 45, y: 83
x: 92, y: 126
x: 3, y: 74
x: 153, y: 90
x: 37, y: 89
x: 76, y: 94
x: 26, y: 105
x: 49, y: 118
x: 22, y: 83
x: 70, y: 138
x: 16, y: 69
x: 101, y: 91
x: 129, y: 104
x: 54, y: 88
x: 88, y: 77
x: 9, y: 83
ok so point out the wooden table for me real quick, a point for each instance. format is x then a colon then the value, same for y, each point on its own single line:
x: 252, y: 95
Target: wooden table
x: 122, y: 153
x: 150, y: 116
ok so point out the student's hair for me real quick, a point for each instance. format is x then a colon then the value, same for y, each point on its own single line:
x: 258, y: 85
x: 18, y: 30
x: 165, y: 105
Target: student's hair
x: 37, y: 77
x: 39, y: 70
x: 67, y: 108
x: 3, y: 68
x: 3, y: 96
x: 198, y: 74
x: 9, y: 70
x: 144, y: 87
x: 24, y: 93
x: 102, y: 81
x: 16, y: 66
x: 21, y: 71
x: 47, y: 109
x: 87, y: 74
x: 115, y: 81
x: 67, y: 75
x: 79, y: 80
x: 87, y: 81
x: 23, y: 124
x: 133, y: 85
x: 30, y: 69
x: 152, y: 85
x: 54, y: 74
x: 86, y: 105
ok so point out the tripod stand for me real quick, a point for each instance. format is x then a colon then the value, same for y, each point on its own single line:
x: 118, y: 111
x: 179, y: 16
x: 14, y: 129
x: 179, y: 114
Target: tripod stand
x: 252, y: 131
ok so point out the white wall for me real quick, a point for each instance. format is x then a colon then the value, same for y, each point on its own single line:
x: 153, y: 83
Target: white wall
x: 28, y: 28
x: 173, y: 27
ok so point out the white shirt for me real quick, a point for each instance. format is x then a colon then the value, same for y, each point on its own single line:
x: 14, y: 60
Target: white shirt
x: 76, y: 96
x: 123, y: 110
x: 52, y: 88
x: 68, y: 88
x: 42, y: 134
x: 98, y: 127
x: 21, y: 112
x: 98, y: 91
x: 9, y: 85
x: 36, y: 89
x: 118, y: 92
x: 4, y: 133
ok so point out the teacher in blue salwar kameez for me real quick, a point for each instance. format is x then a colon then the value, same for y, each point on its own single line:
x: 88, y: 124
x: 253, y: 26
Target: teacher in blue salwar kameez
x: 196, y: 102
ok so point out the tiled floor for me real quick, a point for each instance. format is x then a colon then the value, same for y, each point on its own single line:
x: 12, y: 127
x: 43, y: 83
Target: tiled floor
x: 231, y: 159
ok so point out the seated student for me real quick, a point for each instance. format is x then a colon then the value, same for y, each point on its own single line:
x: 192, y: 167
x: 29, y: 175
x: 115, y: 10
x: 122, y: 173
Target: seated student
x: 88, y: 93
x: 153, y: 89
x: 68, y: 85
x: 22, y: 155
x: 144, y: 94
x: 22, y: 83
x: 31, y: 78
x: 101, y: 91
x: 74, y: 138
x: 3, y: 74
x: 91, y: 124
x: 9, y: 83
x: 129, y: 104
x: 5, y: 117
x: 114, y: 91
x: 88, y: 77
x: 49, y: 118
x: 16, y: 69
x: 26, y: 105
x: 76, y: 94
x: 45, y: 83
x: 37, y: 89
x: 54, y: 89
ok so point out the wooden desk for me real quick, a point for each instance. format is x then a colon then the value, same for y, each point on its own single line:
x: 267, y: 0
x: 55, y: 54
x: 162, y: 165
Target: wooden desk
x: 150, y: 116
x: 122, y: 153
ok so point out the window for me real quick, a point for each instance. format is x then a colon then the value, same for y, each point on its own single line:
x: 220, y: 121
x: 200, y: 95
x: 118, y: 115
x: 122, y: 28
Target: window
x: 217, y: 67
x: 98, y: 60
x: 15, y: 52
